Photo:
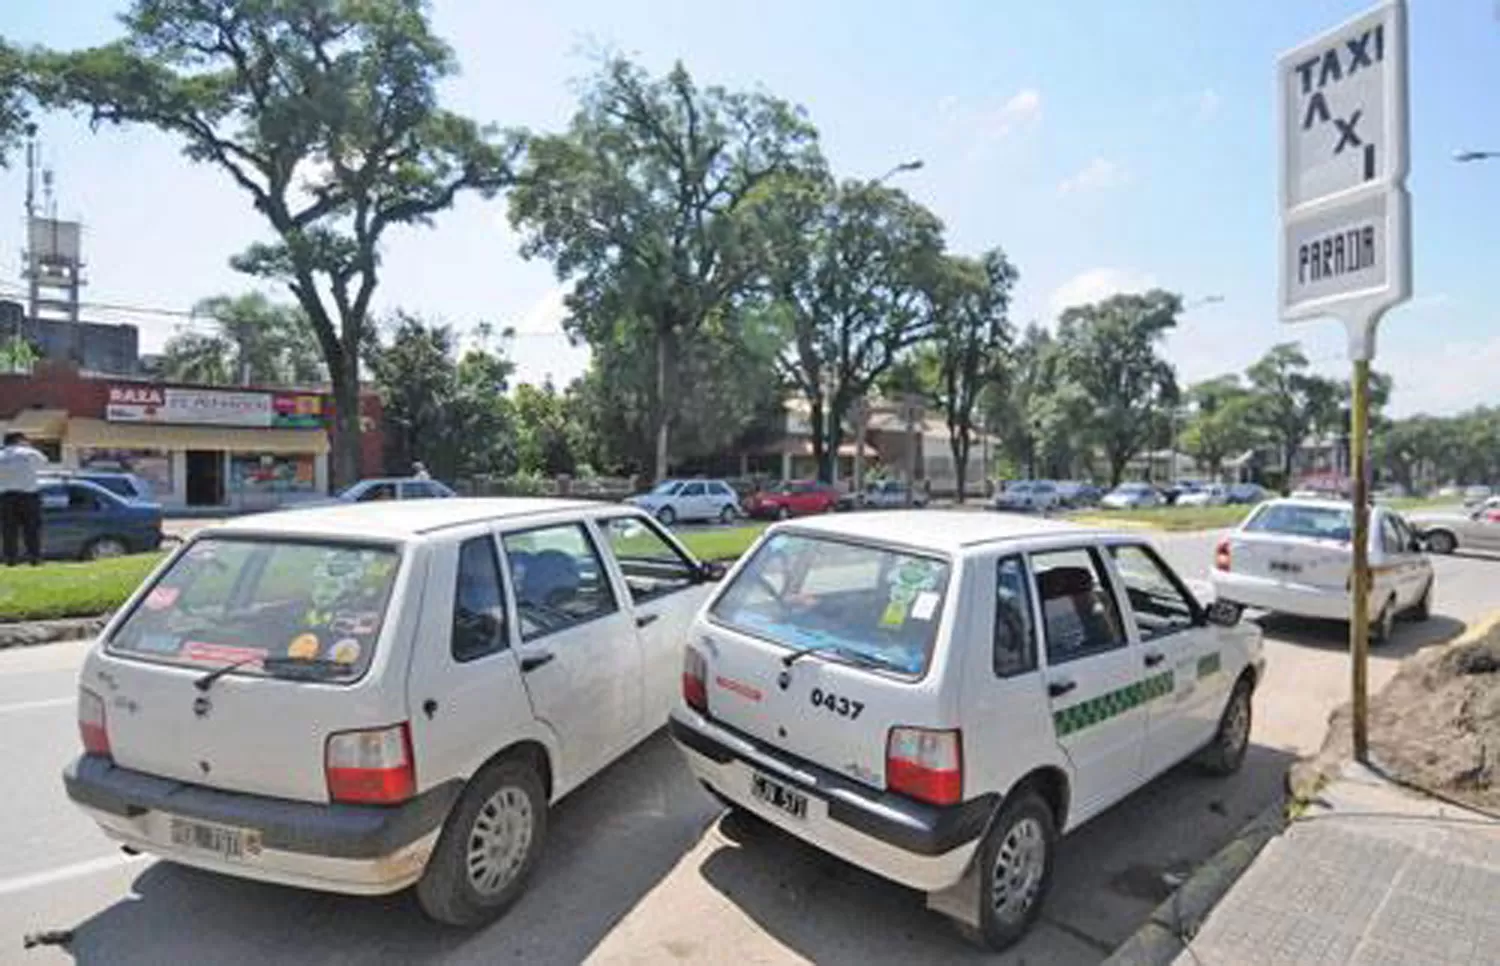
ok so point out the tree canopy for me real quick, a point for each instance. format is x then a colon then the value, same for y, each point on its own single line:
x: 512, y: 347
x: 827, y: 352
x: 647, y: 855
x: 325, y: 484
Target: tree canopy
x: 257, y: 342
x: 1291, y: 402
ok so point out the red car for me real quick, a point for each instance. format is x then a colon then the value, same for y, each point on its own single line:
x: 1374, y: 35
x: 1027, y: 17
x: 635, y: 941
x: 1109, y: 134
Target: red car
x: 796, y: 498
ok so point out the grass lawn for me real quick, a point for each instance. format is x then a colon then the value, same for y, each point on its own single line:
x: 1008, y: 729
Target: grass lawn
x: 721, y: 543
x: 70, y: 589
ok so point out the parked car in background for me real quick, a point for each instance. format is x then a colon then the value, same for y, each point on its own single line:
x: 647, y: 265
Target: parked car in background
x: 1036, y: 496
x: 1475, y: 528
x: 1475, y: 495
x: 1076, y: 495
x: 671, y: 501
x: 794, y: 498
x: 1212, y: 494
x: 1244, y: 493
x: 1132, y: 496
x: 82, y: 520
x: 124, y: 485
x: 885, y: 494
x: 1293, y: 556
x: 939, y: 695
x: 395, y: 488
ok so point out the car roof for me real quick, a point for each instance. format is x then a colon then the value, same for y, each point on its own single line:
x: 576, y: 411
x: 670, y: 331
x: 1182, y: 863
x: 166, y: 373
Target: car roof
x: 404, y: 520
x: 950, y: 531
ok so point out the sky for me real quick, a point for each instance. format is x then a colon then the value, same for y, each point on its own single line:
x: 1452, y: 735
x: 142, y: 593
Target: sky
x: 1104, y: 146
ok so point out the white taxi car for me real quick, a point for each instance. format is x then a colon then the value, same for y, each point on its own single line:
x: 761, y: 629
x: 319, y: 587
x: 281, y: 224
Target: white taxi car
x: 362, y: 698
x: 1294, y: 556
x: 937, y: 696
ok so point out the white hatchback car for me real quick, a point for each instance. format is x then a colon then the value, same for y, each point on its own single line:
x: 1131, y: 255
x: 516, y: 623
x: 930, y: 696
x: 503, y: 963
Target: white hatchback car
x: 1293, y: 556
x: 363, y: 698
x: 937, y: 696
x: 673, y: 500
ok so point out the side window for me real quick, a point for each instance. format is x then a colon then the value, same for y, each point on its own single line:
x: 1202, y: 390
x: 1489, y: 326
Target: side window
x: 378, y: 491
x: 54, y: 498
x: 417, y: 490
x: 1015, y: 630
x: 80, y: 498
x: 478, y: 602
x: 1158, y: 603
x: 1390, y: 536
x: 692, y: 489
x: 559, y: 579
x: 722, y: 489
x: 1079, y: 615
x: 652, y: 566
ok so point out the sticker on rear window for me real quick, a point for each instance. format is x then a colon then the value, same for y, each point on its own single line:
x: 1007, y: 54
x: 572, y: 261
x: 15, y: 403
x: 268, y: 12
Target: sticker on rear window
x: 345, y: 651
x: 304, y: 647
x: 924, y: 606
x: 159, y: 643
x: 220, y: 653
x: 895, y: 613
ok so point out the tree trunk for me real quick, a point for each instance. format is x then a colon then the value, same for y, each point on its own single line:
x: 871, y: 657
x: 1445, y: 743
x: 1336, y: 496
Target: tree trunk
x: 817, y: 422
x: 1288, y: 457
x: 347, y: 429
x: 958, y: 443
x: 663, y: 408
x: 1117, y: 466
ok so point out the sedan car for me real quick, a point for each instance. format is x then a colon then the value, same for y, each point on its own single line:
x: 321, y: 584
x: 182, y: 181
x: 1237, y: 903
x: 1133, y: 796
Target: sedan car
x: 891, y: 493
x: 125, y: 485
x: 395, y: 488
x: 1028, y: 495
x: 1132, y: 496
x: 1212, y: 494
x: 1474, y: 529
x: 795, y: 498
x: 1293, y: 556
x: 1242, y: 494
x: 673, y: 500
x: 81, y: 520
x: 1475, y: 495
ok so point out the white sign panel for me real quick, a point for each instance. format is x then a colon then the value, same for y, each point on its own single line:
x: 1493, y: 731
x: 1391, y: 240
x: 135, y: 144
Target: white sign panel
x: 155, y: 404
x: 1345, y: 234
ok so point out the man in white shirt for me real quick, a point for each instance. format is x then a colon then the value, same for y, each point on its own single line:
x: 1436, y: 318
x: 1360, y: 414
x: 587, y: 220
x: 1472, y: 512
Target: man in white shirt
x: 20, y: 503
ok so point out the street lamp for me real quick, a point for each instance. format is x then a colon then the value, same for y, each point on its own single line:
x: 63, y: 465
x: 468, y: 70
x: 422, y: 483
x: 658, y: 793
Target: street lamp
x: 1464, y: 156
x: 1205, y: 300
x: 916, y: 164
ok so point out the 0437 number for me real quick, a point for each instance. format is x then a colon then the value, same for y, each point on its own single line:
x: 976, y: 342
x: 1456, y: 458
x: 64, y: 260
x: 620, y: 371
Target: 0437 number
x: 837, y: 704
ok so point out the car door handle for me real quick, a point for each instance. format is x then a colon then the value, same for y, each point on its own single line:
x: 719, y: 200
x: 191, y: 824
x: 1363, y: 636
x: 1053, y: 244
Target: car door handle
x: 1059, y: 688
x: 533, y: 661
x: 642, y: 620
x: 1153, y: 659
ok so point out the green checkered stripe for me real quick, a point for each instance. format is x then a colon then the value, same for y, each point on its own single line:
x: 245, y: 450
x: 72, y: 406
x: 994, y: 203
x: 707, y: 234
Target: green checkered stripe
x: 1096, y: 710
x: 1209, y: 664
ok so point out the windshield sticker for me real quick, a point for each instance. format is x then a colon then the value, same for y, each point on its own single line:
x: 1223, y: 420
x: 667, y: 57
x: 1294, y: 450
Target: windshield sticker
x: 895, y: 613
x: 345, y: 651
x: 356, y: 623
x: 304, y: 647
x: 162, y: 597
x: 916, y: 574
x: 159, y: 643
x: 220, y: 653
x: 925, y: 606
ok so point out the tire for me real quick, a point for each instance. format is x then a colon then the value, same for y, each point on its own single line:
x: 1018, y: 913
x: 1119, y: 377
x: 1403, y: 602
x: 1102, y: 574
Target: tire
x: 1422, y: 609
x: 1225, y: 754
x: 667, y: 516
x: 508, y: 791
x: 727, y: 515
x: 1023, y: 839
x: 1384, y: 625
x: 103, y: 548
x: 1441, y: 541
x: 783, y: 512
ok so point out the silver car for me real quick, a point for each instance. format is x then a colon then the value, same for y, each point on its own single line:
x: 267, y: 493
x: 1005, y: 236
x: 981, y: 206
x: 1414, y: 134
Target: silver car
x: 1472, y: 529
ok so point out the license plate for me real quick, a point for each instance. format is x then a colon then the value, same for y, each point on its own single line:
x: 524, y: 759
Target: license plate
x: 220, y: 840
x: 777, y: 795
x: 1285, y: 567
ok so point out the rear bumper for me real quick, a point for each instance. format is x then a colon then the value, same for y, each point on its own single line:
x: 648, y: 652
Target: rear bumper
x: 925, y: 847
x: 362, y: 849
x: 1282, y: 597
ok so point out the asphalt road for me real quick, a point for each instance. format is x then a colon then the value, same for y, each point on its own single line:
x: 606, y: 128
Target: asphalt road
x: 638, y: 867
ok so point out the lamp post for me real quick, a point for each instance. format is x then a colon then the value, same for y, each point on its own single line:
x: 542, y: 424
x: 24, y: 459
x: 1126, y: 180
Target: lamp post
x: 915, y: 164
x: 1463, y: 157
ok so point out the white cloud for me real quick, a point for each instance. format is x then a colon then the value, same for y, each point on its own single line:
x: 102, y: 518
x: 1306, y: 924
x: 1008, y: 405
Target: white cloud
x: 1023, y: 108
x: 1098, y: 175
x: 1096, y: 284
x: 984, y: 123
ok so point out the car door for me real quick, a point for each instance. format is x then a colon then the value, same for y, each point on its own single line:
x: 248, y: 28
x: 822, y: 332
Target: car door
x: 665, y: 587
x: 70, y: 515
x: 1408, y: 566
x: 1180, y: 659
x: 692, y: 502
x: 1095, y: 683
x: 579, y: 651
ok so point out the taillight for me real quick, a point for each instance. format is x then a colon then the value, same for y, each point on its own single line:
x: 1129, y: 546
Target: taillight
x: 695, y: 680
x: 1222, y: 555
x: 91, y: 726
x: 370, y: 767
x: 926, y: 765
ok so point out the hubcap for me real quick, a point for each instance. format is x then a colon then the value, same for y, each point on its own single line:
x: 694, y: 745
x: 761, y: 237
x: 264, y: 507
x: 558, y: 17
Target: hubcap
x: 1019, y: 864
x: 108, y: 548
x: 499, y: 840
x: 1237, y: 724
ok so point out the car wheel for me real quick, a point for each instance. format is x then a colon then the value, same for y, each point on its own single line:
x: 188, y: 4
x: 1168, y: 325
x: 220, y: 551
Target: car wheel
x: 1384, y: 625
x: 783, y: 512
x: 727, y: 515
x: 667, y: 516
x: 1015, y: 870
x: 1226, y: 752
x: 104, y: 548
x: 1422, y: 609
x: 1441, y: 541
x: 488, y: 846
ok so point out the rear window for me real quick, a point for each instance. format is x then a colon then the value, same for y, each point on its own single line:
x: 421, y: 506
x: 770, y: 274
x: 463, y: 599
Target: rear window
x: 1301, y: 520
x: 313, y: 607
x: 862, y: 604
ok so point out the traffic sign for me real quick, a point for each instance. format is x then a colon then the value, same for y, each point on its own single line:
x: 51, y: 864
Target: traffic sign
x: 1345, y: 216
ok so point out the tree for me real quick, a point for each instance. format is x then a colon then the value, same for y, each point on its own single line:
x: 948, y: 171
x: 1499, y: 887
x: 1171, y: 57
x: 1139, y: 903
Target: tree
x: 325, y: 113
x: 1220, y: 423
x: 647, y: 204
x: 258, y: 343
x: 969, y: 301
x: 1291, y: 403
x: 15, y: 101
x: 543, y: 444
x: 1110, y: 353
x: 18, y: 355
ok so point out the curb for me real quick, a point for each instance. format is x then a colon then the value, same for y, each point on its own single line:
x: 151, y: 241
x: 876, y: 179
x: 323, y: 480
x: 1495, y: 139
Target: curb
x: 1160, y: 941
x: 33, y: 633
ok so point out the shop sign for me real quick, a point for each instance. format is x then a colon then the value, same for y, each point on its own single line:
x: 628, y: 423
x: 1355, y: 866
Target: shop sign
x: 214, y: 407
x: 298, y: 411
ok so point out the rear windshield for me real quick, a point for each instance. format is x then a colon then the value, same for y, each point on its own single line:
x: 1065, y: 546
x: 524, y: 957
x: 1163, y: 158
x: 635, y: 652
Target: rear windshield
x: 1300, y: 520
x: 865, y: 605
x: 313, y: 609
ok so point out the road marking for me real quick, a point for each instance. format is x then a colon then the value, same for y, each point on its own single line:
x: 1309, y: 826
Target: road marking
x: 37, y: 705
x: 77, y: 870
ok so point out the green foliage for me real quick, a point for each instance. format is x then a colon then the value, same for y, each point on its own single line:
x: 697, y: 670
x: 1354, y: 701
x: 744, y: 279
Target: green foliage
x: 325, y: 113
x: 1220, y: 423
x: 1422, y: 450
x: 258, y: 343
x: 1291, y: 403
x: 543, y: 444
x: 18, y: 355
x: 15, y: 102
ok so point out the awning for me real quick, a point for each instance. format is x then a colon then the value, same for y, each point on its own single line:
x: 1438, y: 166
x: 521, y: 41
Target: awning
x: 39, y: 423
x: 105, y: 435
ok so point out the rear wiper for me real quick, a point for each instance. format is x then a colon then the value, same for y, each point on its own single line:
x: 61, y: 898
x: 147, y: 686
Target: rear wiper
x: 852, y: 656
x: 317, y: 667
x: 207, y: 681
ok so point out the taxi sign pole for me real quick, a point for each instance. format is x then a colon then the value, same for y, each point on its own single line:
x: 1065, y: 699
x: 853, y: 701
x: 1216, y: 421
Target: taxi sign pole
x: 1345, y: 248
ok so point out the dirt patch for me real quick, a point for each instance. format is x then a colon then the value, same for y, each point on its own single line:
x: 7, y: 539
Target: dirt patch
x: 1436, y: 725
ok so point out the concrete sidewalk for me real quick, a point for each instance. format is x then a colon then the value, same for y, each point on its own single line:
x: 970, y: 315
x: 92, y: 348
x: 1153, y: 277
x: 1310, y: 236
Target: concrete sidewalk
x: 1372, y: 875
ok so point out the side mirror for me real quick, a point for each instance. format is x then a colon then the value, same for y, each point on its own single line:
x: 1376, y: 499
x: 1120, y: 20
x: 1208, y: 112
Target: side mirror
x: 1223, y: 613
x: 710, y: 571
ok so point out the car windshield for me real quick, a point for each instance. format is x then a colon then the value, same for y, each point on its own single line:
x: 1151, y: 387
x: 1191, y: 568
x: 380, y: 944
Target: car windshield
x: 665, y: 488
x: 868, y: 605
x: 1301, y: 520
x: 1018, y: 488
x: 227, y: 600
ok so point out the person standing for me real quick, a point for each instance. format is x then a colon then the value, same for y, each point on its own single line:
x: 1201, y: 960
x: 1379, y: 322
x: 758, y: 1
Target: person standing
x: 20, y: 503
x: 419, y: 472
